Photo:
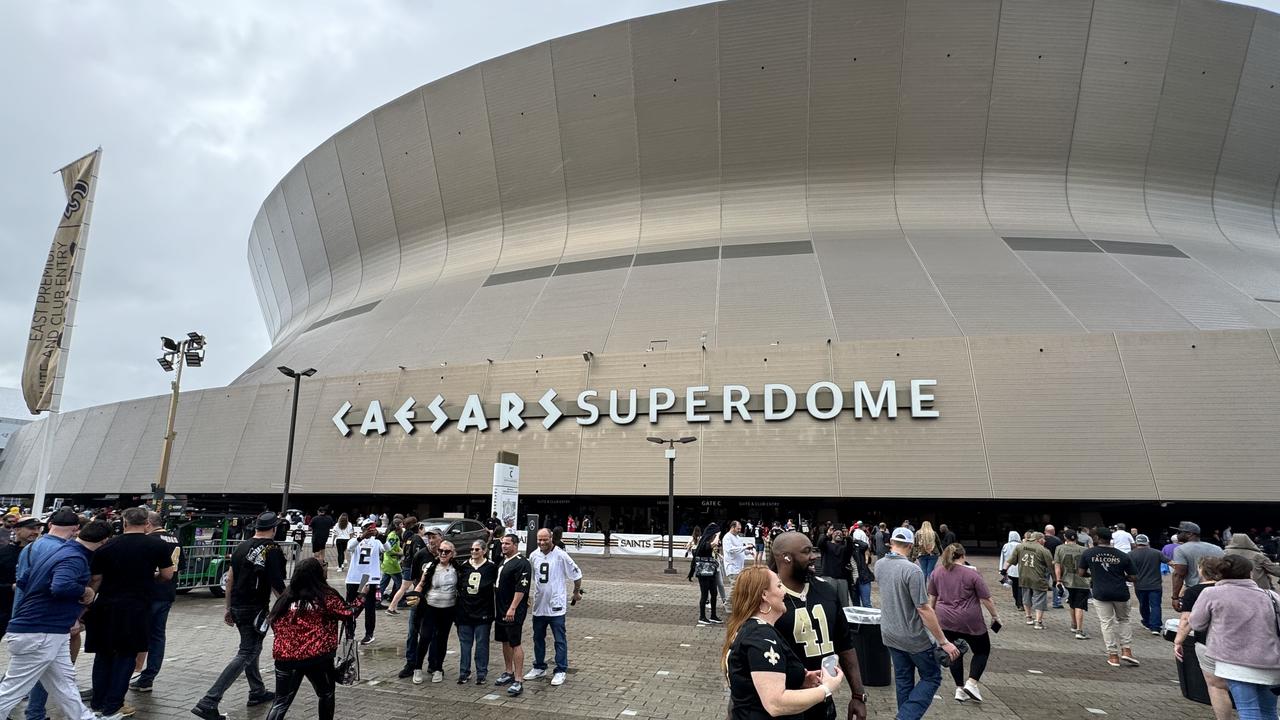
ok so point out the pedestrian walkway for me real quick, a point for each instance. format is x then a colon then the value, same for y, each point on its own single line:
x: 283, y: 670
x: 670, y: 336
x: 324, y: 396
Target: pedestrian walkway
x: 635, y: 653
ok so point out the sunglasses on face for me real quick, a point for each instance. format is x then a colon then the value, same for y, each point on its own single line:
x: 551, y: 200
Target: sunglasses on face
x: 446, y: 552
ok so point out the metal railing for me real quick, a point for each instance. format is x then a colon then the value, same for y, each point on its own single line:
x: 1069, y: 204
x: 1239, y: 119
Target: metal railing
x: 205, y: 565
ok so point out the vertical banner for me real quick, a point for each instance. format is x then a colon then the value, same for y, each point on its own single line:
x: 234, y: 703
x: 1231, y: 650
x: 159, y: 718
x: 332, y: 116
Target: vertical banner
x: 50, y: 335
x: 506, y: 493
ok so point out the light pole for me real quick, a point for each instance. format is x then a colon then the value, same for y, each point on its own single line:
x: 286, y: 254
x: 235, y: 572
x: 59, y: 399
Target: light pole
x: 671, y: 494
x: 297, y: 376
x: 176, y: 355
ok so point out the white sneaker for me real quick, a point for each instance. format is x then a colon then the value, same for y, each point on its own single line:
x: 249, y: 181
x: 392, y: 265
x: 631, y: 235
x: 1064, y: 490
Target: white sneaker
x: 535, y: 673
x: 557, y: 679
x: 417, y: 677
x: 961, y: 695
x: 971, y: 689
x: 437, y: 676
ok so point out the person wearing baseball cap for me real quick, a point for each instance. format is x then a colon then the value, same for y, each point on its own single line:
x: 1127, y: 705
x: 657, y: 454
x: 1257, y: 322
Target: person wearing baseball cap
x: 910, y: 627
x: 1186, y: 558
x: 418, y: 564
x: 257, y: 570
x: 25, y: 531
x: 1149, y: 585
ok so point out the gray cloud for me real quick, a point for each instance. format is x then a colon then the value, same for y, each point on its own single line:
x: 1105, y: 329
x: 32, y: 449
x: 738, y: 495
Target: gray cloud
x: 200, y: 109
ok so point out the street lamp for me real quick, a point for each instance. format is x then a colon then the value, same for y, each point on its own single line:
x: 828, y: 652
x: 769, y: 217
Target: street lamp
x: 176, y: 355
x: 297, y: 376
x: 671, y: 494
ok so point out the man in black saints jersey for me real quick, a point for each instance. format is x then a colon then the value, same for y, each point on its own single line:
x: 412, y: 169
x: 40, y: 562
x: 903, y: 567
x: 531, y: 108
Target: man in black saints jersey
x: 814, y: 623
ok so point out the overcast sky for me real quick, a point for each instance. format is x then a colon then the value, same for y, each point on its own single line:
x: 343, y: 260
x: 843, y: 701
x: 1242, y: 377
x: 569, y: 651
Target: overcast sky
x: 200, y: 109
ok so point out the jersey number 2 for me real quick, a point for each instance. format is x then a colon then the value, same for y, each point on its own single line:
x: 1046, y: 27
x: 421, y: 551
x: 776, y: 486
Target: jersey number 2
x: 811, y: 631
x: 364, y: 555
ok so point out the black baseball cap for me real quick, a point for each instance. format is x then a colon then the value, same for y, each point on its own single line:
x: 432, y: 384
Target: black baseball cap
x: 64, y: 517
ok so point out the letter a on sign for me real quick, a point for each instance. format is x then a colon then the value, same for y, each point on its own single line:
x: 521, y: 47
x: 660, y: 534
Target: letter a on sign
x: 373, y: 420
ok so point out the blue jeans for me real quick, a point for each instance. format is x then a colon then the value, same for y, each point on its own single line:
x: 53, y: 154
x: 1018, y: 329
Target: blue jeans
x: 914, y: 697
x: 540, y: 624
x: 927, y: 563
x: 411, y: 642
x: 111, y: 673
x: 155, y: 649
x: 1149, y: 606
x: 862, y: 595
x: 36, y: 703
x: 392, y: 579
x: 479, y: 636
x: 1253, y: 702
x: 1058, y: 594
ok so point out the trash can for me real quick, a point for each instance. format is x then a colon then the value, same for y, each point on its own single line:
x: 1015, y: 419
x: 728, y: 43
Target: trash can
x: 1190, y: 676
x: 873, y: 656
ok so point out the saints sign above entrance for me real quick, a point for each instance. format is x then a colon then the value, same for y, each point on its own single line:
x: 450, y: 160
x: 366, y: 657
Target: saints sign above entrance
x: 823, y: 401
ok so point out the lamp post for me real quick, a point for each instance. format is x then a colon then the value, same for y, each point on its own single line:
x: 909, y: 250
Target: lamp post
x: 671, y: 494
x: 177, y: 354
x: 297, y: 376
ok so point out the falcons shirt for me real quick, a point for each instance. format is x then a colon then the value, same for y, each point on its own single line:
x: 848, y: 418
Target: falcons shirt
x: 814, y: 626
x: 366, y: 559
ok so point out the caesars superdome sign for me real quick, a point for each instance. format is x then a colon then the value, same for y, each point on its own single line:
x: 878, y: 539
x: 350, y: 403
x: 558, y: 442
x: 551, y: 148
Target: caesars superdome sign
x: 774, y: 402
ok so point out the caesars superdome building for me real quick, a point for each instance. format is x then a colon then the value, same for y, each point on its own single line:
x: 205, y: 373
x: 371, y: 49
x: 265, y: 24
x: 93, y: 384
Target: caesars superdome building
x: 870, y: 254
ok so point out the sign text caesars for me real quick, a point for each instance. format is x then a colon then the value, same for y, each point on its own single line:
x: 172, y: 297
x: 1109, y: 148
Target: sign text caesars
x: 823, y: 401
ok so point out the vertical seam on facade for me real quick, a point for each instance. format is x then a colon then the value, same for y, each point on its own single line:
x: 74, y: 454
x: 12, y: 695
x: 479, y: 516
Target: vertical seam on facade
x: 444, y: 219
x: 302, y: 319
x: 564, y: 182
x: 257, y: 390
x: 635, y: 117
x: 502, y: 222
x: 391, y: 203
x: 315, y: 307
x: 1155, y: 122
x: 306, y: 180
x: 715, y: 319
x: 977, y: 408
x: 1075, y: 120
x: 808, y: 139
x: 1155, y: 484
x: 982, y: 175
x: 1226, y: 132
x: 355, y: 233
x: 893, y: 183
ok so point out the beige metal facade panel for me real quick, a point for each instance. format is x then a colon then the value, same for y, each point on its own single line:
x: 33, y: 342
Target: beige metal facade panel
x: 459, y: 124
x: 548, y: 459
x: 1204, y: 299
x: 1039, y: 57
x: 76, y: 473
x: 410, y: 168
x: 645, y: 370
x: 764, y: 72
x: 617, y: 460
x: 911, y: 457
x: 274, y: 270
x: 772, y: 299
x: 675, y: 303
x: 674, y: 58
x: 1207, y: 412
x: 333, y: 215
x: 1201, y: 77
x: 258, y: 466
x: 1102, y: 294
x: 212, y: 440
x: 763, y: 459
x: 484, y: 328
x: 855, y: 61
x: 1119, y: 97
x: 111, y: 467
x: 426, y: 462
x: 360, y: 159
x: 20, y: 469
x: 596, y: 103
x: 572, y: 311
x: 69, y: 426
x: 145, y: 468
x: 1056, y: 412
x: 520, y: 91
x: 262, y: 286
x: 304, y: 226
x: 1250, y: 162
x: 287, y: 247
x: 328, y: 462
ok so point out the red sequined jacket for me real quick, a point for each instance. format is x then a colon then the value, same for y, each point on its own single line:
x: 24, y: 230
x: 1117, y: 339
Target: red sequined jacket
x: 303, y: 634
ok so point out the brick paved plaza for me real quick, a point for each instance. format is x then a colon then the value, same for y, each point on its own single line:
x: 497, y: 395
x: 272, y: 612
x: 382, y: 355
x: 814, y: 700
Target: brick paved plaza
x: 635, y: 652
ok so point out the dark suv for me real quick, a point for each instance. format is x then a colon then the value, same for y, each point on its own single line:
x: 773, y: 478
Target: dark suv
x: 461, y: 532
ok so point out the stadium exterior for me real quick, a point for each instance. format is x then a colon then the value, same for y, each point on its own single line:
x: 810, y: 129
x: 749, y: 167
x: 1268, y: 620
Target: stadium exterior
x: 1062, y: 213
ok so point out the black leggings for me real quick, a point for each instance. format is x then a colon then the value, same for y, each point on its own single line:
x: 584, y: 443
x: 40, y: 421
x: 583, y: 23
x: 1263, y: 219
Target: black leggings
x: 1017, y: 594
x: 370, y: 608
x: 289, y: 675
x: 341, y: 544
x: 434, y: 625
x: 708, y: 587
x: 979, y: 646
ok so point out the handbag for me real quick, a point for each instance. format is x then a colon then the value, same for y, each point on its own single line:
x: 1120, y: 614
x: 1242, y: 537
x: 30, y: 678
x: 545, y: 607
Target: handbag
x: 346, y: 661
x: 705, y: 567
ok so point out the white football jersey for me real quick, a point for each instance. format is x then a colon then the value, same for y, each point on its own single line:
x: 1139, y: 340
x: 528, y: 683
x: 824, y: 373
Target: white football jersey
x: 366, y: 559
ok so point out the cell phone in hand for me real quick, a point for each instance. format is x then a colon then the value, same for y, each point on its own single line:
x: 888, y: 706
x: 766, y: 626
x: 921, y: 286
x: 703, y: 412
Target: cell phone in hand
x: 830, y: 663
x: 995, y: 626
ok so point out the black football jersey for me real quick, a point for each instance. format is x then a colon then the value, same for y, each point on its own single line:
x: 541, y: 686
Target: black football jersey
x: 757, y: 648
x: 814, y: 623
